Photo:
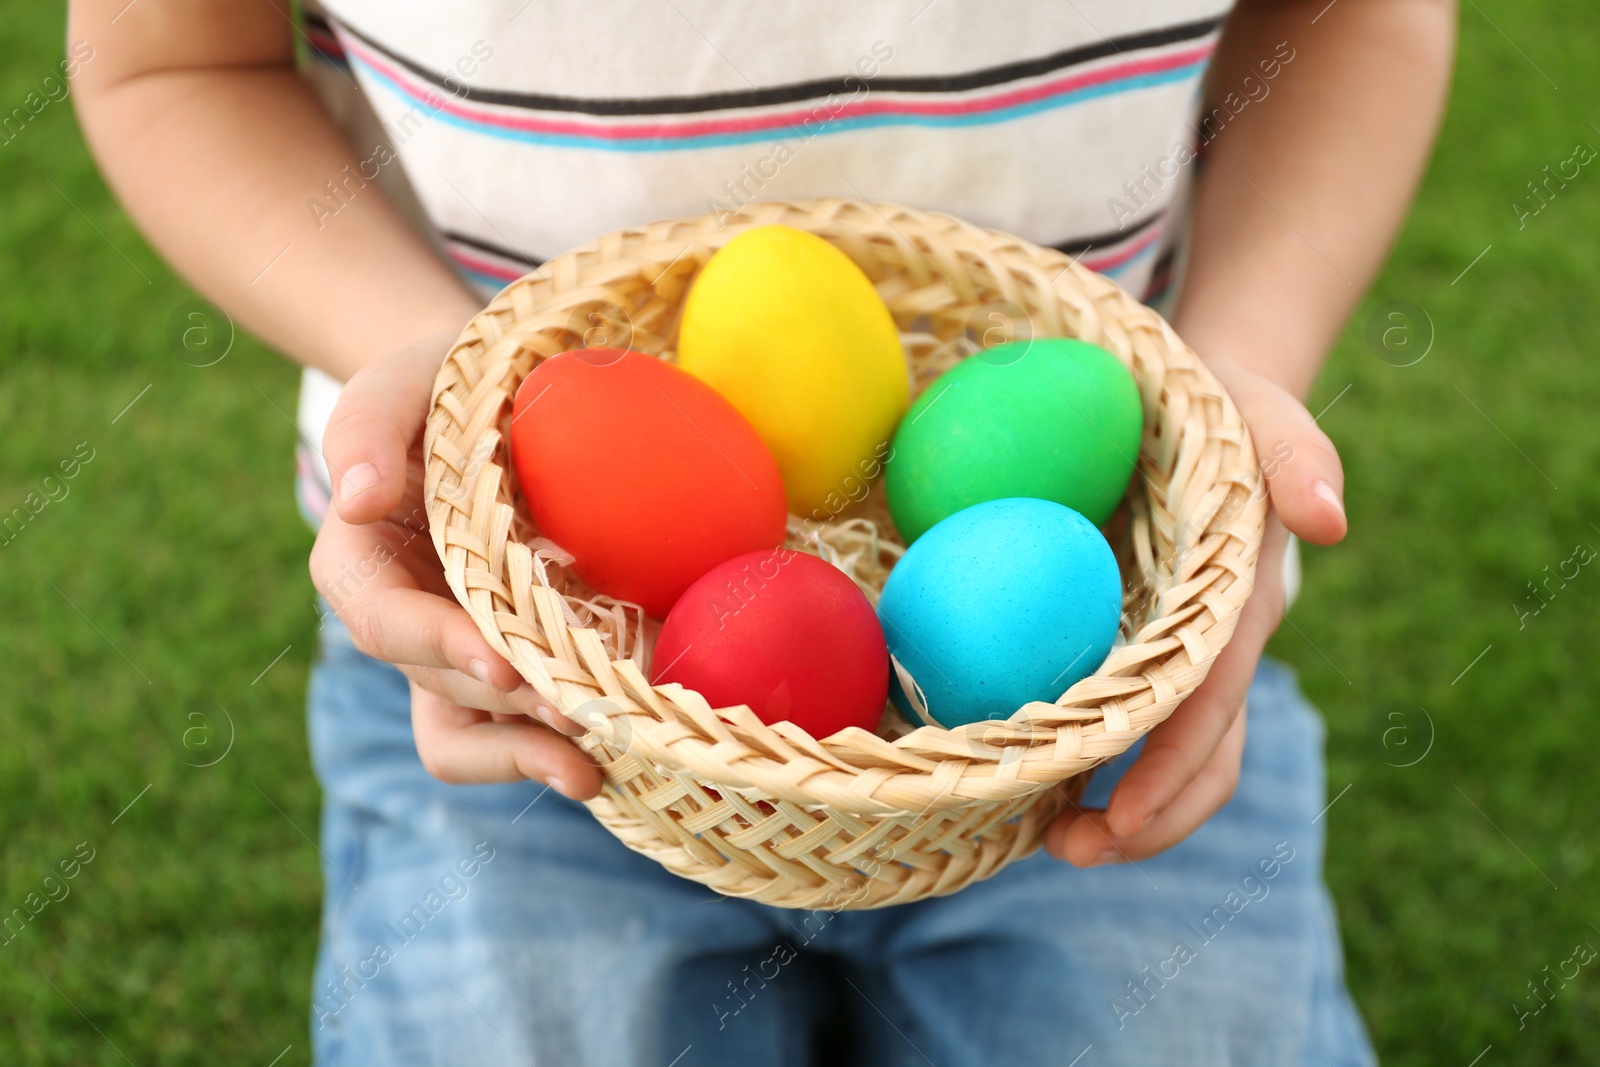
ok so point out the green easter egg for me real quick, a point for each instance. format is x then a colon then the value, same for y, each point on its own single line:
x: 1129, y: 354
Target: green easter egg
x: 1051, y: 418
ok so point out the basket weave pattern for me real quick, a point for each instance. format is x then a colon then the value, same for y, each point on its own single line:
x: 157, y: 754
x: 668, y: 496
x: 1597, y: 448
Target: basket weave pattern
x: 854, y: 821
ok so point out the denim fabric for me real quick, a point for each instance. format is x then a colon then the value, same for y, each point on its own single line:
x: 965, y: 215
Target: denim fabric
x: 491, y: 925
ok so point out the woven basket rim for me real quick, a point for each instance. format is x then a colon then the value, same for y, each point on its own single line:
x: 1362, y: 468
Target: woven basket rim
x: 1209, y: 471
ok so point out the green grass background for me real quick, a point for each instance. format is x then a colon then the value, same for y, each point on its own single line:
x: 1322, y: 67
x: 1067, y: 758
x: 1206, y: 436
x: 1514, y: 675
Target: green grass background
x: 173, y: 574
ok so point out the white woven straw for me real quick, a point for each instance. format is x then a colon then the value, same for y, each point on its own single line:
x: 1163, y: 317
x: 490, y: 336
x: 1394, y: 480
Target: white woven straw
x: 856, y: 820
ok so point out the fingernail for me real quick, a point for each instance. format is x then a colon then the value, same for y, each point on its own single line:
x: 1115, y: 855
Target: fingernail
x: 1327, y: 492
x: 479, y: 669
x: 357, y: 480
x: 557, y: 721
x: 1109, y: 855
x: 558, y: 784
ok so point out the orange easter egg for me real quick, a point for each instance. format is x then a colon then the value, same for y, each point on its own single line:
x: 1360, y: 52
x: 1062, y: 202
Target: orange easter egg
x: 642, y: 472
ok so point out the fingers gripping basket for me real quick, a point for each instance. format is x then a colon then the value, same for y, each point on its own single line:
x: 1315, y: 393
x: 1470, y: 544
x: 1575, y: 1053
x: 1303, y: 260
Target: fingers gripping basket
x: 855, y: 821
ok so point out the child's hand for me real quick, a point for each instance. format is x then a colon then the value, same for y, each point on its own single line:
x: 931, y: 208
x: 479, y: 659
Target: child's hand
x: 375, y: 563
x: 469, y: 705
x: 1190, y: 763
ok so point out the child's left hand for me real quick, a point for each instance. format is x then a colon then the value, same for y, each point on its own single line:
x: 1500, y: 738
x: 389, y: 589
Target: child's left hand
x: 1190, y: 763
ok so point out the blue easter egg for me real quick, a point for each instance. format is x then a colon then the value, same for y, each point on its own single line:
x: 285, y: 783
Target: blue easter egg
x: 1000, y: 604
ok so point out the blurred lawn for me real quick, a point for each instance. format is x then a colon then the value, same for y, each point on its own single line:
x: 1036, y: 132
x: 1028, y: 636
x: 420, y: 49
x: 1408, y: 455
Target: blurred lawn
x: 162, y: 606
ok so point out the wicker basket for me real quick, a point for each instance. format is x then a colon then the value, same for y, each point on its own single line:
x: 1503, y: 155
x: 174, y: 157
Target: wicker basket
x: 856, y: 820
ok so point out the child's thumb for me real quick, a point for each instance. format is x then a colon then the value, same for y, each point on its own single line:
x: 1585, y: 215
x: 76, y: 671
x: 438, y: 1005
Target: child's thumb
x: 1298, y: 461
x: 370, y: 432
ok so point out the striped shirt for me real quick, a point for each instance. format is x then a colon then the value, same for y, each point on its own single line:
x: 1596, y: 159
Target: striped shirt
x: 512, y: 130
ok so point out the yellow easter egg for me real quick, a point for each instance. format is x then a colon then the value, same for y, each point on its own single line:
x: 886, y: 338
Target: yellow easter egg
x: 792, y: 333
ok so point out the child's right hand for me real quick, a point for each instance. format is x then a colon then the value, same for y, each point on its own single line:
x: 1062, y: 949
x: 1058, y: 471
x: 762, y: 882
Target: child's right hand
x: 375, y: 564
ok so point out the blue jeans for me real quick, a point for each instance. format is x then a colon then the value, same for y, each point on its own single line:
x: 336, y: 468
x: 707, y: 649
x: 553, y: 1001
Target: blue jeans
x: 491, y: 925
